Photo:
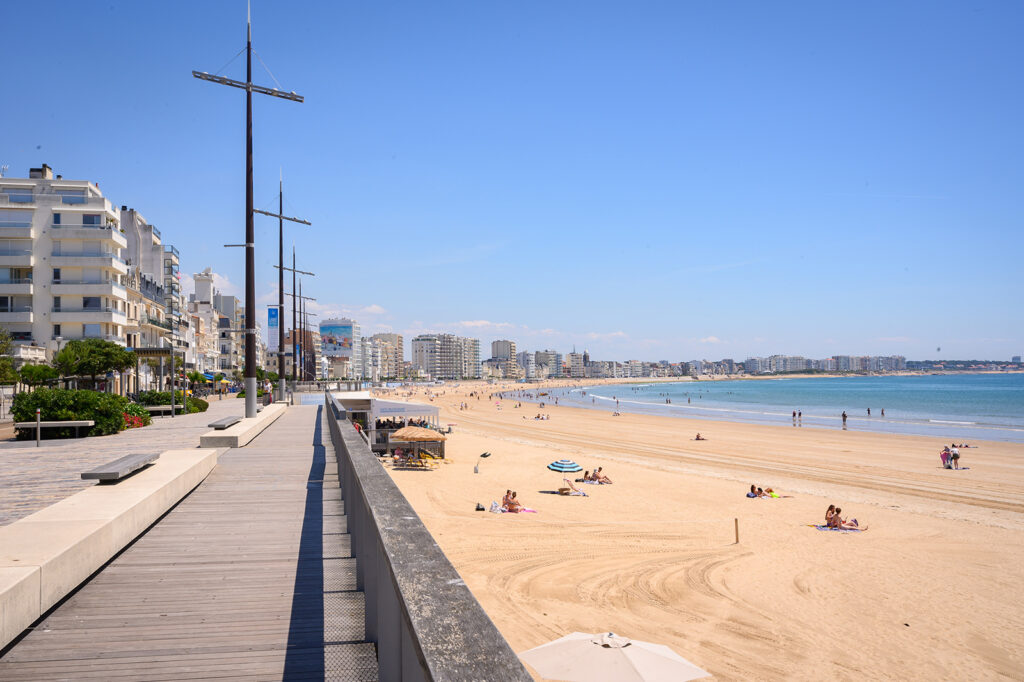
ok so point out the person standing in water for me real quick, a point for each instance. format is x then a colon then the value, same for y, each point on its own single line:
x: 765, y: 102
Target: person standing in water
x: 844, y: 419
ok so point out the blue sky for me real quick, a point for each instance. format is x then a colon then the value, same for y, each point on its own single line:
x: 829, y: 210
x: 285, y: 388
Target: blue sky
x: 652, y: 180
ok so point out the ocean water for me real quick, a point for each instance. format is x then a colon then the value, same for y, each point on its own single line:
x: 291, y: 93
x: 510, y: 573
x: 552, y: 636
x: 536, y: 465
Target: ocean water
x: 953, y: 408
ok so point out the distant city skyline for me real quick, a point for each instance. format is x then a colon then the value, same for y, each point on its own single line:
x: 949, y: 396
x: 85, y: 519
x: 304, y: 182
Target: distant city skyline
x: 663, y: 181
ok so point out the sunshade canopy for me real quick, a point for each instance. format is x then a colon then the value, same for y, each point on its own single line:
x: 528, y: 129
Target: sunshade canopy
x: 563, y: 466
x: 417, y: 433
x: 579, y: 657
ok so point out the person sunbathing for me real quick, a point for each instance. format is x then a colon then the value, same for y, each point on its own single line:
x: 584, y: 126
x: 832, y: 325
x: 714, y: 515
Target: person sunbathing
x: 830, y: 514
x: 753, y: 491
x: 601, y: 478
x: 700, y: 437
x: 507, y: 500
x: 513, y: 504
x: 842, y: 524
x: 768, y: 492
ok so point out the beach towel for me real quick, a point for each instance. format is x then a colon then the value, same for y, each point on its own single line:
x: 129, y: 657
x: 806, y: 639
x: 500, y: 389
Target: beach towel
x: 527, y: 510
x: 496, y: 508
x: 836, y: 530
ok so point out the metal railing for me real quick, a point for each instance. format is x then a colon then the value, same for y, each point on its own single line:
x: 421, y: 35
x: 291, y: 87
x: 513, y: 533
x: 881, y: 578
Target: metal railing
x: 15, y: 223
x: 15, y: 252
x: 426, y: 623
x: 99, y: 309
x: 17, y: 280
x: 87, y: 254
x: 16, y: 309
x: 87, y: 226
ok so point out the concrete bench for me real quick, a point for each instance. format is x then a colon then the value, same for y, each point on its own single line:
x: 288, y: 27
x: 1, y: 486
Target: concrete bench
x: 224, y: 423
x: 120, y: 468
x: 54, y: 425
x: 160, y: 409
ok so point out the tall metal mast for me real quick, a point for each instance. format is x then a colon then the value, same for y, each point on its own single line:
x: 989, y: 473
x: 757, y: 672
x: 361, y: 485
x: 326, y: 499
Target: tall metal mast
x: 250, y: 232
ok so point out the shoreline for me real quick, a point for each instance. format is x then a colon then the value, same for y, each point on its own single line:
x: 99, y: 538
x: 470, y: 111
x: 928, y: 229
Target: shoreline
x: 652, y: 556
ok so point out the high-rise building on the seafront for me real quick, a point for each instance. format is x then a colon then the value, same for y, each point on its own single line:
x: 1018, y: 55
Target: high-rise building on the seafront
x: 446, y: 356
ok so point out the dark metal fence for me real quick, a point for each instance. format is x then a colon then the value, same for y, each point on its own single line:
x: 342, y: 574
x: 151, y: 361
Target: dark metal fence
x: 426, y: 623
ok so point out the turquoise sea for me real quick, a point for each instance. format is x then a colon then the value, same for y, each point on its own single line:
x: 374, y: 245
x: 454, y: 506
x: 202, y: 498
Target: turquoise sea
x: 954, y: 407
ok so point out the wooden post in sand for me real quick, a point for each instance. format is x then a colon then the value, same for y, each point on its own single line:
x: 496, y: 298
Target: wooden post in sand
x: 736, y: 523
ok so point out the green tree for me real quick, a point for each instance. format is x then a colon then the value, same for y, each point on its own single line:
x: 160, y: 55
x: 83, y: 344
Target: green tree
x: 92, y: 358
x: 38, y: 375
x: 7, y: 373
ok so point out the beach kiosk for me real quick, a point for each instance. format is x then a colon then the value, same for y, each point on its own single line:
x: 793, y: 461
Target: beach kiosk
x: 361, y: 407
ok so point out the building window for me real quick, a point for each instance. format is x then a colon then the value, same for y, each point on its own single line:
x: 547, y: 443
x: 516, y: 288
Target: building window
x: 91, y: 219
x: 56, y: 330
x: 56, y: 275
x: 56, y: 218
x: 56, y: 305
x: 91, y: 302
x: 91, y: 331
x: 18, y: 195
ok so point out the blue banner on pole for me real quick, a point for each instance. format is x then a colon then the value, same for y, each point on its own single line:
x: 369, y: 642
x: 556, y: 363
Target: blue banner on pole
x: 273, y: 327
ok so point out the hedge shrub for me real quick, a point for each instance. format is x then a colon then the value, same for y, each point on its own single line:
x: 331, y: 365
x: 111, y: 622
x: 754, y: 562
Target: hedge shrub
x: 164, y: 398
x: 57, y: 404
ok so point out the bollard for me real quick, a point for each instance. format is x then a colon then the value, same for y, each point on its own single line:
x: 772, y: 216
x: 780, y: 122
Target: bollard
x: 39, y: 427
x: 736, y: 521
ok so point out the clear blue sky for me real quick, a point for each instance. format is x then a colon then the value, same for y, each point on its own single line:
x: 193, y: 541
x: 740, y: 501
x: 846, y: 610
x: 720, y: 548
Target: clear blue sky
x: 652, y: 180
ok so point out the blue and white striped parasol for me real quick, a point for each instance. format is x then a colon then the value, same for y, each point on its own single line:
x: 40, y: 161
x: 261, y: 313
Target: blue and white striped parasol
x: 564, y: 466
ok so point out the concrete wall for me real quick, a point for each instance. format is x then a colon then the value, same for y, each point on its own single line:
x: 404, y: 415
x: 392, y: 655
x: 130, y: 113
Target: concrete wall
x: 426, y: 623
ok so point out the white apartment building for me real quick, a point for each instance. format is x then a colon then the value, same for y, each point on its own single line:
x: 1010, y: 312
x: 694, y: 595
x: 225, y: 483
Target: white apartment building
x: 527, y: 364
x: 392, y: 355
x: 550, y: 360
x: 425, y: 348
x: 503, y: 350
x: 576, y: 367
x: 61, y: 272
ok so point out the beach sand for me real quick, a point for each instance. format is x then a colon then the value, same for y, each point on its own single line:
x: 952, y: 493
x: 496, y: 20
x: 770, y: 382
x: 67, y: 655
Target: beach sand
x: 930, y: 591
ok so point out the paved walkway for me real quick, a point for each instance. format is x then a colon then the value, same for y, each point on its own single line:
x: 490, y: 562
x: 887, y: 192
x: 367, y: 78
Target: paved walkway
x: 249, y: 577
x: 32, y: 478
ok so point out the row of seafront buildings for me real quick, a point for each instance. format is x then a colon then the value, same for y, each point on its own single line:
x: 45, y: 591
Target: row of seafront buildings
x: 73, y: 265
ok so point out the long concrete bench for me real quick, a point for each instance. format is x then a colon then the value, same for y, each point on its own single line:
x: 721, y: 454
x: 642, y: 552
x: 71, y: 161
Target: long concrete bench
x: 160, y: 409
x: 57, y: 424
x: 46, y: 555
x: 244, y: 431
x: 224, y: 423
x: 121, y: 468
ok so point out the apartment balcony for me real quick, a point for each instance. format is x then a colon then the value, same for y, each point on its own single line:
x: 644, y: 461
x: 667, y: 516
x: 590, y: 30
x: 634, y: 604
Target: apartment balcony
x: 153, y: 322
x: 16, y: 314
x: 16, y: 286
x: 88, y: 315
x: 16, y: 258
x: 79, y: 288
x: 109, y: 233
x: 94, y: 259
x: 113, y: 338
x: 15, y: 229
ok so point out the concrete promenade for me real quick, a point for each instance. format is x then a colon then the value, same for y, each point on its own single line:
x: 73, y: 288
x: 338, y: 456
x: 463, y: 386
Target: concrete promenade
x: 249, y: 577
x: 32, y: 478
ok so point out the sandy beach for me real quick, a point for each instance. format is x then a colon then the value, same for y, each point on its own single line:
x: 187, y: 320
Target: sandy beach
x: 930, y: 591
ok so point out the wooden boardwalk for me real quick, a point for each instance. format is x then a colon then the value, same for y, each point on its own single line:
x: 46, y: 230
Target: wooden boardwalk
x: 249, y: 577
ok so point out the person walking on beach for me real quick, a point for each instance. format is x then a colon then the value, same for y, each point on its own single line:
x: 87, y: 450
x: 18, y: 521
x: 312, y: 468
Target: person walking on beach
x: 844, y: 419
x: 869, y: 411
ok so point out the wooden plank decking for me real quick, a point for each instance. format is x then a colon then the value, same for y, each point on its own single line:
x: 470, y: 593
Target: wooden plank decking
x: 249, y: 577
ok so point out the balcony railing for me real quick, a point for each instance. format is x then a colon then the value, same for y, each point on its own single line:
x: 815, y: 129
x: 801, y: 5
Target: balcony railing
x: 98, y: 309
x: 15, y: 252
x: 83, y: 282
x: 18, y: 197
x: 170, y: 249
x: 106, y: 337
x: 16, y: 309
x: 17, y: 280
x: 15, y: 223
x: 146, y: 319
x: 87, y: 254
x: 79, y: 226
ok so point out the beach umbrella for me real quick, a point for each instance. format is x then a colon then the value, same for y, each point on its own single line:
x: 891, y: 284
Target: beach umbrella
x: 579, y: 657
x: 416, y: 433
x: 564, y: 466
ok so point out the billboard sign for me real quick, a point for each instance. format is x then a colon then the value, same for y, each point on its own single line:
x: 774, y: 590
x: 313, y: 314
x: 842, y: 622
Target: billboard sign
x: 273, y: 329
x: 336, y: 340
